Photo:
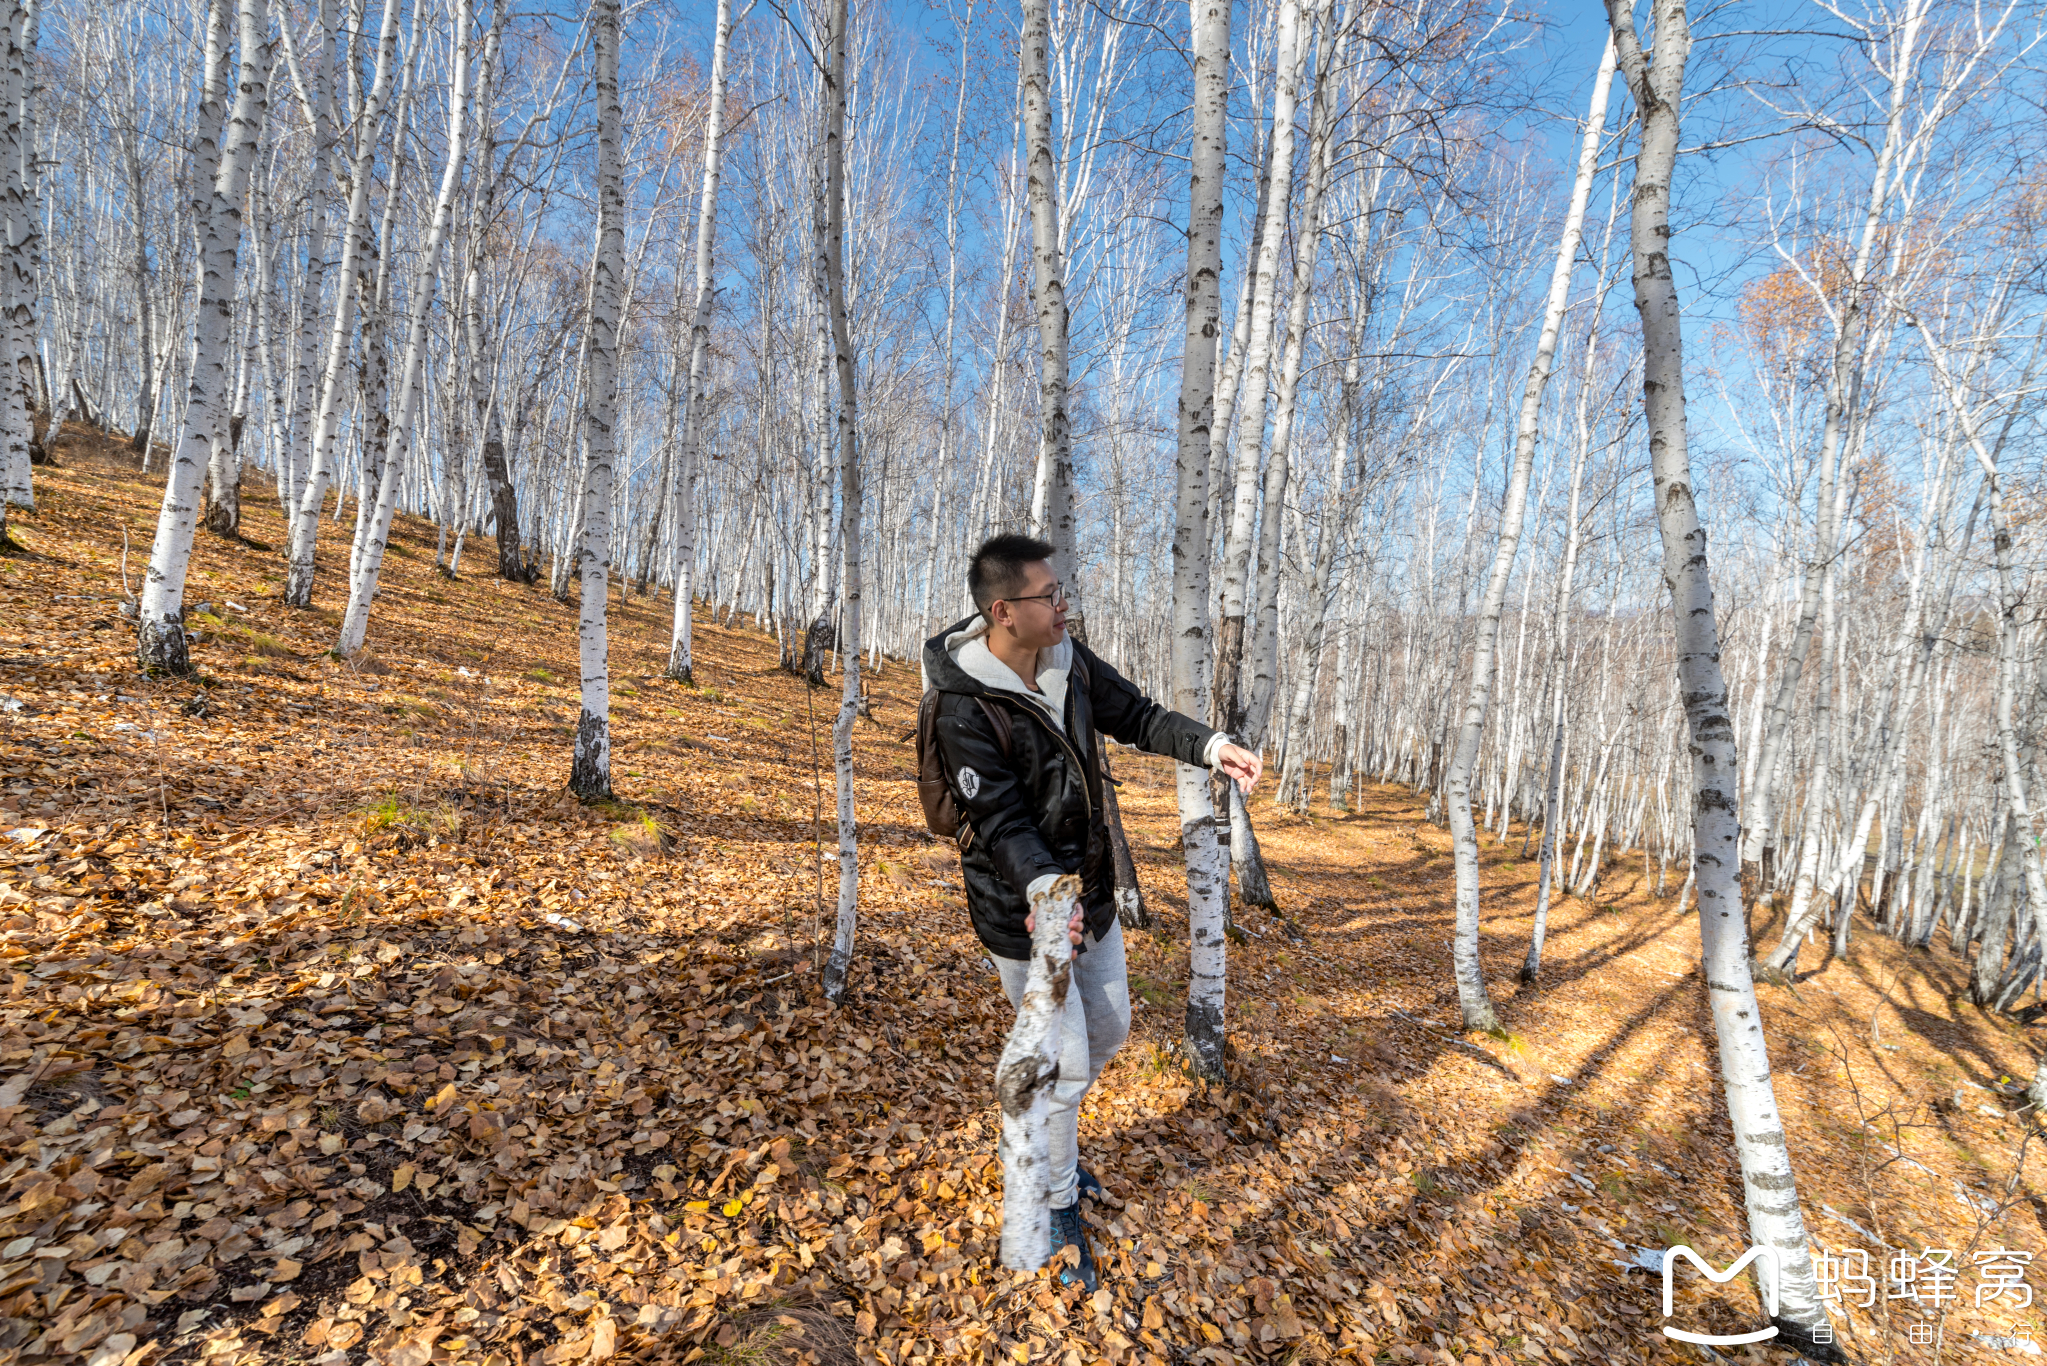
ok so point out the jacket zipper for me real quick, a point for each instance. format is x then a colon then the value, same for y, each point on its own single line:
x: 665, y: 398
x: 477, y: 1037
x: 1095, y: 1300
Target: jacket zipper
x: 1087, y: 801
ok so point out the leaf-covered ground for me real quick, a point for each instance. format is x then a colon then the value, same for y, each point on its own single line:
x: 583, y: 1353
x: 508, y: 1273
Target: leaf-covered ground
x: 335, y: 1031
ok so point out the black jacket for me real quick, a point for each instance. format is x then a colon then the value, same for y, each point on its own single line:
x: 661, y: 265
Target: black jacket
x: 1039, y: 810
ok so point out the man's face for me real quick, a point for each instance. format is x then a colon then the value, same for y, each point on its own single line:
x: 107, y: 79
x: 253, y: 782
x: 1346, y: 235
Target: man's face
x: 1035, y: 612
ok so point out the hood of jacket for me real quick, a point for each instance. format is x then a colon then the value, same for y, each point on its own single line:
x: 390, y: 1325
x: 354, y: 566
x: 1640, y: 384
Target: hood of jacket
x: 958, y: 660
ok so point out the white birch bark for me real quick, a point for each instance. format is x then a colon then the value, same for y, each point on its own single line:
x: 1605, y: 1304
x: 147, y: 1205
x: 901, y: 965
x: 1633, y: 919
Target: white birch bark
x: 1207, y: 885
x: 1257, y: 699
x: 1024, y: 1077
x: 1248, y: 710
x: 373, y: 347
x: 834, y: 251
x: 369, y: 561
x: 695, y: 397
x: 348, y: 285
x: 1560, y: 634
x: 316, y: 86
x: 1656, y: 80
x: 1250, y: 419
x: 590, y: 769
x: 1819, y: 795
x: 1053, y: 513
x: 160, y: 642
x: 25, y: 238
x: 17, y: 276
x: 221, y: 497
x: 1473, y: 1000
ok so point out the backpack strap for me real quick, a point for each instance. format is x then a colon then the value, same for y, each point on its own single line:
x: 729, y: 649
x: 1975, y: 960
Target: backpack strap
x: 998, y: 720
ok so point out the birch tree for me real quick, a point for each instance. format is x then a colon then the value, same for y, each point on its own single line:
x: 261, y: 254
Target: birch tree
x: 1655, y: 79
x: 848, y: 429
x: 222, y: 182
x: 313, y: 78
x: 1238, y: 588
x: 369, y: 558
x: 695, y: 397
x: 1052, y: 517
x: 1473, y: 1000
x: 590, y: 771
x: 1207, y: 878
x: 17, y: 275
x: 352, y: 275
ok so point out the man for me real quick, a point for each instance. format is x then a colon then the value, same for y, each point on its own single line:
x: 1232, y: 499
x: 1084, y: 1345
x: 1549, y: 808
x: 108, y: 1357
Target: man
x: 1031, y: 810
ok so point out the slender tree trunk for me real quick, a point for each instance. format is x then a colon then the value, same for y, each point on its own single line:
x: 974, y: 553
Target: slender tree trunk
x: 696, y: 400
x: 1243, y: 511
x: 1994, y: 920
x: 1207, y: 887
x: 590, y: 772
x: 948, y: 415
x: 475, y: 382
x: 1656, y: 80
x: 1819, y: 795
x: 319, y: 86
x: 145, y: 293
x: 349, y: 287
x: 1553, y: 782
x: 222, y: 497
x: 222, y: 182
x: 1130, y: 907
x: 834, y: 245
x: 18, y: 277
x: 1253, y: 706
x: 1472, y: 997
x: 1264, y: 661
x: 1052, y: 495
x: 373, y: 444
x: 370, y: 560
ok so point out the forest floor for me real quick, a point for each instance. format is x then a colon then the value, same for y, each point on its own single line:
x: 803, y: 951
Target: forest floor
x: 334, y: 1029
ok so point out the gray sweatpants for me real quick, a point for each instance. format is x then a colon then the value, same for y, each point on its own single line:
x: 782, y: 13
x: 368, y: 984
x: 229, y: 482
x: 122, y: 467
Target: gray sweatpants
x: 1097, y: 1021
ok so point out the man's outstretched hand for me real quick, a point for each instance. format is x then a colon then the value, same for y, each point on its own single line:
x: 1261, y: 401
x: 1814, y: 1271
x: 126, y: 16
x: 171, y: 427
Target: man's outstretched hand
x: 1076, y: 928
x: 1241, y: 764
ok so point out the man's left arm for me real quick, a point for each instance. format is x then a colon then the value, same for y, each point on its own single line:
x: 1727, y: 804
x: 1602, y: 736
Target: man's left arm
x: 1129, y: 717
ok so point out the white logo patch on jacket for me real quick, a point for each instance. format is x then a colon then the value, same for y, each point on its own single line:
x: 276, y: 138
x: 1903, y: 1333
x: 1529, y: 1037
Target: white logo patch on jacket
x: 970, y: 783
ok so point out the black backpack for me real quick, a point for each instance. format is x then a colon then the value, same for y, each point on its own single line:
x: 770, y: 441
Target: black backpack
x: 934, y: 784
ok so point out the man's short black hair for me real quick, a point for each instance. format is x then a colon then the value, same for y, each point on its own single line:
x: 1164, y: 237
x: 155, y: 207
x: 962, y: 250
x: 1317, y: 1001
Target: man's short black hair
x: 997, y: 569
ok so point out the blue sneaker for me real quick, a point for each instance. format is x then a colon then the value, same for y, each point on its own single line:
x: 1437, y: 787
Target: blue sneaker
x: 1090, y: 1188
x: 1068, y: 1229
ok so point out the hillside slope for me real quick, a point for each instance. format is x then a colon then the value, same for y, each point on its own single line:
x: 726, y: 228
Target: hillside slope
x: 295, y: 1066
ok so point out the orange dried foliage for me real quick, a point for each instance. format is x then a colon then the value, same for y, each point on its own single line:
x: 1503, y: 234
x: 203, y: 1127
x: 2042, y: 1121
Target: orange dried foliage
x: 289, y: 1037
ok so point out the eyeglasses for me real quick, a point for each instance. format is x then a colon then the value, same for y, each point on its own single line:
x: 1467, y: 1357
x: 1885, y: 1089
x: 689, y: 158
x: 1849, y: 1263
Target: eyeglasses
x: 1057, y: 597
